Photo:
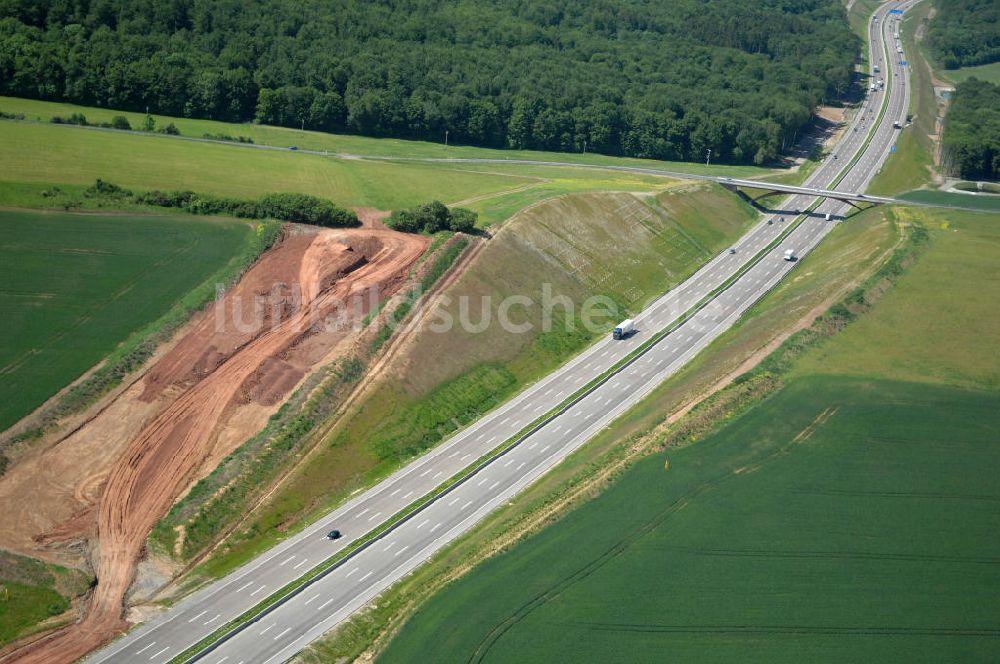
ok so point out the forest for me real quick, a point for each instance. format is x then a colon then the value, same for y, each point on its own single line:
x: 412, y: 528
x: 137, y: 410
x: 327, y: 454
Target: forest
x: 965, y: 33
x: 971, y: 141
x: 665, y: 80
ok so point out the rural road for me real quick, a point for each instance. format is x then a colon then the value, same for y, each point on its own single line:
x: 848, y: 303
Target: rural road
x: 289, y: 626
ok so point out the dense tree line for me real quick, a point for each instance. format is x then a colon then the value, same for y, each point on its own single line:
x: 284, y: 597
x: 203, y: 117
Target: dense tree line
x: 666, y: 80
x: 431, y: 218
x: 971, y: 142
x: 964, y: 33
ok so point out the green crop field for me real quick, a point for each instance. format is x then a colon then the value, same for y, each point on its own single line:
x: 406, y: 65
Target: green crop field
x: 849, y: 517
x: 74, y: 286
x: 36, y: 155
x: 843, y: 520
x: 346, y: 144
x: 940, y: 323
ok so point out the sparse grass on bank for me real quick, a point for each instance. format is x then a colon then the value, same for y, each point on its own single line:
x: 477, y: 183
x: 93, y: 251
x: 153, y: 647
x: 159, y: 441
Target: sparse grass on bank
x: 32, y: 591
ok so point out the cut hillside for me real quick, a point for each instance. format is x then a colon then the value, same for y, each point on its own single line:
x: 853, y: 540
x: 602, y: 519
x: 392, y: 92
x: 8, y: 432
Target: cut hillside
x: 625, y: 247
x: 109, y: 481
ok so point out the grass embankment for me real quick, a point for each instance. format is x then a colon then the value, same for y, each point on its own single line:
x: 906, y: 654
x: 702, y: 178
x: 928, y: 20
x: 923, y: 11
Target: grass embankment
x: 77, y: 286
x: 909, y: 167
x: 32, y: 592
x: 851, y: 250
x: 38, y: 156
x: 990, y: 72
x: 876, y: 491
x: 282, y: 137
x: 617, y: 244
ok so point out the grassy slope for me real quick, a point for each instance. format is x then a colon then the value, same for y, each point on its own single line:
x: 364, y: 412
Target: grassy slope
x: 937, y: 322
x: 61, y: 154
x: 337, y: 143
x: 454, y: 377
x: 32, y: 591
x: 868, y: 540
x: 990, y: 72
x: 764, y: 540
x: 77, y: 285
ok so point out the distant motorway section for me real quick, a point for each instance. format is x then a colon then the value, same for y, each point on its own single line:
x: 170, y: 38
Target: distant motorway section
x: 565, y: 410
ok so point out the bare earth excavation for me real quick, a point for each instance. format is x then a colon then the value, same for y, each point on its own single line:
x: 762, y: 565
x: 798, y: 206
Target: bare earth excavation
x: 110, y: 481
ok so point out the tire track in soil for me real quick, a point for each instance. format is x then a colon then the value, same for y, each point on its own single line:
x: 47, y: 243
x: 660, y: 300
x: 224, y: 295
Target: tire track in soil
x: 159, y: 463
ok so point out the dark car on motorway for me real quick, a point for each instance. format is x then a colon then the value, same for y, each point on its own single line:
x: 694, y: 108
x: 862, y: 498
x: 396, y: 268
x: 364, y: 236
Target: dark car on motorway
x: 333, y: 534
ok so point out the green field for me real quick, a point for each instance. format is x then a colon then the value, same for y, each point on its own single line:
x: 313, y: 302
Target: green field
x: 32, y: 591
x: 346, y: 144
x: 990, y: 72
x: 868, y: 537
x: 849, y: 517
x: 75, y: 286
x: 940, y: 323
x: 37, y: 155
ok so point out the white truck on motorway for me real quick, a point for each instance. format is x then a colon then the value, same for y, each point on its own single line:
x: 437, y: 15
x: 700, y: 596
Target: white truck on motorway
x: 789, y: 254
x: 624, y: 329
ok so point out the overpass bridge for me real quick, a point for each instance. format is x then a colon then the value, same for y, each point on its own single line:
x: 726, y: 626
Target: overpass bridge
x: 850, y: 198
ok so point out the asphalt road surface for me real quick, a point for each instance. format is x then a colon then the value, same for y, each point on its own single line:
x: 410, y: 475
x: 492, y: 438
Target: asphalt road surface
x: 290, y: 626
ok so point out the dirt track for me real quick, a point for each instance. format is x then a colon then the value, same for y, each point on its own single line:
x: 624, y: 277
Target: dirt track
x: 235, y: 355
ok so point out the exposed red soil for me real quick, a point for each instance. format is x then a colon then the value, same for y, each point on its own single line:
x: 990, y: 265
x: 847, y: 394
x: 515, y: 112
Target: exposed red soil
x: 284, y: 317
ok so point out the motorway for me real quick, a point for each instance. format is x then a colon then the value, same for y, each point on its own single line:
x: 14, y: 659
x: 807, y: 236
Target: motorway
x: 289, y: 626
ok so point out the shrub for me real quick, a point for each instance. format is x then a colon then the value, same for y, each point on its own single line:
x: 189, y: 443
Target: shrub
x: 170, y: 129
x: 121, y: 122
x: 75, y: 119
x: 431, y: 218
